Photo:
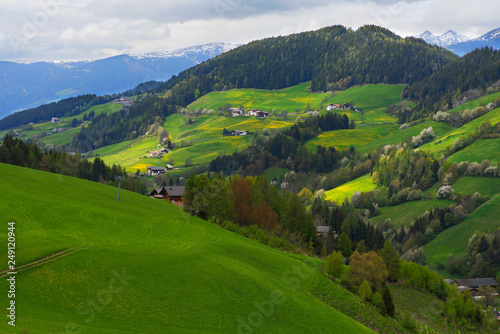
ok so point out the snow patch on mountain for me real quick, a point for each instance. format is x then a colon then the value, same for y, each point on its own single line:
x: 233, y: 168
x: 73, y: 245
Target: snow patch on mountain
x: 444, y: 40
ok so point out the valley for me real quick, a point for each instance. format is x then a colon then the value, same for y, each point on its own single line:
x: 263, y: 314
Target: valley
x: 334, y: 195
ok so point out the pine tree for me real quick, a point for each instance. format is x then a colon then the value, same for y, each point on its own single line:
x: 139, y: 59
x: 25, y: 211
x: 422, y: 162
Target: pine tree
x: 387, y: 303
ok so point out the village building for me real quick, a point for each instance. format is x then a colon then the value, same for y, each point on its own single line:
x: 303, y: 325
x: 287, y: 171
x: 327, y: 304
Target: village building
x: 323, y: 231
x: 473, y: 284
x: 262, y: 114
x: 173, y: 194
x: 55, y: 120
x: 346, y: 106
x: 124, y: 101
x: 239, y: 133
x: 332, y: 106
x: 155, y: 170
x: 237, y: 112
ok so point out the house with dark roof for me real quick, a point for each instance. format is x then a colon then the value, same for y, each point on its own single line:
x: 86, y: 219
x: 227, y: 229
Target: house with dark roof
x: 473, y: 284
x: 322, y: 231
x: 155, y: 170
x: 173, y: 194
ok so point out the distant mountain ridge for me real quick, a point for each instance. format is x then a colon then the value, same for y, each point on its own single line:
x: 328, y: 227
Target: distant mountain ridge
x: 444, y: 40
x: 25, y: 84
x: 461, y: 44
x: 490, y: 39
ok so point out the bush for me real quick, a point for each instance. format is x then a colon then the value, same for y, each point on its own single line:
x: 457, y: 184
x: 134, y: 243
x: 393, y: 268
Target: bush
x: 444, y: 192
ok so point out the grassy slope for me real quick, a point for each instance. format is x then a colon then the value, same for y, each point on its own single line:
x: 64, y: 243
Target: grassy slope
x: 284, y: 99
x: 372, y: 99
x: 404, y: 214
x: 454, y: 240
x: 190, y: 276
x: 439, y: 144
x: 362, y: 184
x: 482, y: 149
x: 484, y: 100
x: 423, y: 307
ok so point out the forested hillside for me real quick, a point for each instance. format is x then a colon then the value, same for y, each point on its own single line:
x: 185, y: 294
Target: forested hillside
x: 333, y: 58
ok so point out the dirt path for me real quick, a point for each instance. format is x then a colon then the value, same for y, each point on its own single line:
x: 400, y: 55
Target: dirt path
x: 43, y: 260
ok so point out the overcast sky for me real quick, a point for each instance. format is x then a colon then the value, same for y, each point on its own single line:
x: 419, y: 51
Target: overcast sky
x: 81, y: 29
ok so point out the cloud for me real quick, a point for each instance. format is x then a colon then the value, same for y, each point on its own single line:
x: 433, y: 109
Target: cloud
x: 77, y: 29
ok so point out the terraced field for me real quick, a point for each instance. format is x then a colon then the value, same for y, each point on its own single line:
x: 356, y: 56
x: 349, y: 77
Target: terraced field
x: 146, y: 267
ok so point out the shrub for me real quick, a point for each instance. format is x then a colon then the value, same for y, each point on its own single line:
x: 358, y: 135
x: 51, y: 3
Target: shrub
x: 444, y: 192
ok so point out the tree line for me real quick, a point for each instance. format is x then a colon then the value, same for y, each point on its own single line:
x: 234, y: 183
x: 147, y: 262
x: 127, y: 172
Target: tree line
x: 25, y: 154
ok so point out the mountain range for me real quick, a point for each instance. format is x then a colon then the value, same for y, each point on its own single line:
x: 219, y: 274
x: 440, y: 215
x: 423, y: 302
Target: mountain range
x: 30, y: 84
x: 460, y: 44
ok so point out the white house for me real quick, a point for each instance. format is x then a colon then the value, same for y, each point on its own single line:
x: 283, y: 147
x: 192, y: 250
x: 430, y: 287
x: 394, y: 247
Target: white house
x: 332, y: 106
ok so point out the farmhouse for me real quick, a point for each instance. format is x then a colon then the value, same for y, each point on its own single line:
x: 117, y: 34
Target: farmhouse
x: 237, y: 112
x: 173, y: 194
x: 322, y: 231
x: 332, y: 106
x: 159, y: 153
x: 473, y: 284
x: 155, y: 170
x: 253, y: 112
x: 55, y: 120
x: 239, y: 133
x: 262, y: 114
x: 124, y: 101
x: 347, y: 106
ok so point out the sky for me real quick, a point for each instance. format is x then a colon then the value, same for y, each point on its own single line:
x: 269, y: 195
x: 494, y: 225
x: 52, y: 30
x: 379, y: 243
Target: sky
x: 84, y: 29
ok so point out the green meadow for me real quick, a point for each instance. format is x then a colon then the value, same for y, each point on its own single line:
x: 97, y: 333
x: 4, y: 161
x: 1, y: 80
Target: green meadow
x: 484, y: 100
x: 439, y: 144
x: 372, y: 99
x: 480, y: 150
x: 405, y: 213
x: 284, y: 99
x: 362, y: 184
x: 145, y: 266
x: 454, y: 240
x: 204, y: 134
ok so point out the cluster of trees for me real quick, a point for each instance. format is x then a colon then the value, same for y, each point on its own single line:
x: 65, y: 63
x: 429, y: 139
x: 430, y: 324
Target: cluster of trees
x: 459, y: 307
x: 477, y: 70
x: 122, y: 125
x: 460, y: 118
x: 482, y: 258
x: 333, y: 58
x: 368, y: 273
x: 248, y: 201
x: 425, y: 227
x: 67, y: 107
x: 486, y: 131
x: 402, y: 167
x: 312, y: 127
x: 278, y: 150
x: 18, y: 152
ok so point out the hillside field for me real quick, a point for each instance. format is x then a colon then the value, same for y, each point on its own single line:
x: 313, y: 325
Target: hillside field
x: 145, y: 266
x: 362, y: 184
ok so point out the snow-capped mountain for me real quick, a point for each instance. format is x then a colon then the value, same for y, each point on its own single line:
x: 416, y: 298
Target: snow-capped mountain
x: 445, y: 40
x: 25, y: 84
x: 490, y: 39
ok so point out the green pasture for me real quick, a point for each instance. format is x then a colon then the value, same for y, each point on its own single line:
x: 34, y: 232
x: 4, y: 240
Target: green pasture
x: 454, y: 240
x: 404, y: 214
x: 484, y: 100
x: 439, y: 144
x: 362, y: 184
x: 486, y: 186
x: 146, y: 267
x: 480, y: 150
x: 284, y: 99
